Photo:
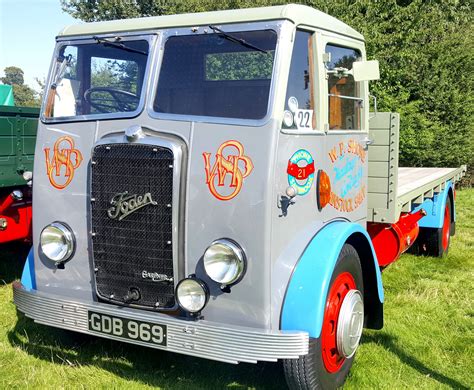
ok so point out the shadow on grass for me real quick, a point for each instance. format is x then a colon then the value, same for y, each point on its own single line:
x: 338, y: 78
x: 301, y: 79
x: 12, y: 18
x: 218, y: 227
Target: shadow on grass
x: 391, y: 344
x: 148, y: 366
x: 168, y: 370
x: 12, y: 259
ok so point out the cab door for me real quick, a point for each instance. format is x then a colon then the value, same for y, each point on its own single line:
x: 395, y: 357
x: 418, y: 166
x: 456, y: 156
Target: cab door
x: 345, y: 111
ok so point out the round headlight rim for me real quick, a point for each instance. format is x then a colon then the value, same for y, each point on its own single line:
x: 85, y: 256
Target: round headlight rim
x: 239, y: 251
x: 204, y: 287
x: 68, y: 233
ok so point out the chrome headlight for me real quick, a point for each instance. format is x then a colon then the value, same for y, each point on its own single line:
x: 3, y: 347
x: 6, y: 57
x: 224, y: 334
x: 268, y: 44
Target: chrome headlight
x: 192, y: 294
x: 57, y: 242
x: 224, y: 261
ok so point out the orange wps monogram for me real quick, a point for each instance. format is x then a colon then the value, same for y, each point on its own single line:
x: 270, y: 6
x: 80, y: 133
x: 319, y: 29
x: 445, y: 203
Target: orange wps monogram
x: 227, y: 165
x: 64, y: 155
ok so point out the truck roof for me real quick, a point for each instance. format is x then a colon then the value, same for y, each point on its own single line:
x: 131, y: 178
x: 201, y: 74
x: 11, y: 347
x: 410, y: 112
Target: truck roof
x: 298, y: 14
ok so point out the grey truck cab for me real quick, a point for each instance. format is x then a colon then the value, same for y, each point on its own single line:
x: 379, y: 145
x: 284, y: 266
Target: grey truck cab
x: 201, y: 186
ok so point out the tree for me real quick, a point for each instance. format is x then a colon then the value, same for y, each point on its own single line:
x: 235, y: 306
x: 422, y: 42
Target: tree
x: 98, y: 10
x: 13, y: 76
x: 426, y: 58
x: 23, y: 94
x: 42, y: 85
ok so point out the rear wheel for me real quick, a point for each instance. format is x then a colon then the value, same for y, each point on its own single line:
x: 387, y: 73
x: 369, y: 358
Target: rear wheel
x: 435, y: 242
x: 330, y: 356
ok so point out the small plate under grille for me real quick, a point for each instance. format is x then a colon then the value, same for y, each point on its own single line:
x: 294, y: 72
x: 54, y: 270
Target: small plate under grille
x: 131, y: 208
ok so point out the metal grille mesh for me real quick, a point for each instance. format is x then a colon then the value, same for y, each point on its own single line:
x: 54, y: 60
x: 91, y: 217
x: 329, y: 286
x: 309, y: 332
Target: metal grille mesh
x: 142, y: 241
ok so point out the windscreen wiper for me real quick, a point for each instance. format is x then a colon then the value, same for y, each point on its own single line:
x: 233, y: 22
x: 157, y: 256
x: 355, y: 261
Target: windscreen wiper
x: 61, y: 70
x: 118, y: 45
x: 62, y: 64
x: 234, y: 39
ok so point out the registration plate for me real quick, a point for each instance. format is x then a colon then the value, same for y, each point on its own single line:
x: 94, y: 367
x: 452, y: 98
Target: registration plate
x: 125, y: 328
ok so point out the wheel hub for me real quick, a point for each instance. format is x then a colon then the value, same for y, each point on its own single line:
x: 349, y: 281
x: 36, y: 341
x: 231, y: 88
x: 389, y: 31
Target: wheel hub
x: 350, y: 323
x: 341, y: 322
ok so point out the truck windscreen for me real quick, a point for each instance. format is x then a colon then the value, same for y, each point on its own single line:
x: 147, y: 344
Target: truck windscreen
x: 104, y: 77
x: 216, y: 75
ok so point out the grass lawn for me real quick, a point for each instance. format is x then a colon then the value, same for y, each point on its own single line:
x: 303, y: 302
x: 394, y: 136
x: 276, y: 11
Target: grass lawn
x: 427, y: 341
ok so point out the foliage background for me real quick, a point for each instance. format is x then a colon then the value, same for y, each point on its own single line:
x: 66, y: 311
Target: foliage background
x: 426, y: 54
x: 23, y: 94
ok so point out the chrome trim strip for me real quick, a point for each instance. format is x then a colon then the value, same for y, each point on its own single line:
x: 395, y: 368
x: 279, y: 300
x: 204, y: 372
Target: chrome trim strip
x: 210, y: 340
x: 345, y: 97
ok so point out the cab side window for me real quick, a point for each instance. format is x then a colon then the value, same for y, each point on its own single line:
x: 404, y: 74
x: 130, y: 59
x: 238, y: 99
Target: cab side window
x: 345, y: 103
x: 299, y: 102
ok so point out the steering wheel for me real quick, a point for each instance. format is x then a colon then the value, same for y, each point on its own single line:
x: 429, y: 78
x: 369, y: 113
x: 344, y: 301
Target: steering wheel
x: 118, y: 100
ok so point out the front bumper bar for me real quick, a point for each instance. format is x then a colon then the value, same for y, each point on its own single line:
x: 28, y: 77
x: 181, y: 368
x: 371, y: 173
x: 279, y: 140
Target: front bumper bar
x: 210, y: 340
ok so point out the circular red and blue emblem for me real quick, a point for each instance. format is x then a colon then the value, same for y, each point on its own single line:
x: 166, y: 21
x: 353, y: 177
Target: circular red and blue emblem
x: 301, y: 171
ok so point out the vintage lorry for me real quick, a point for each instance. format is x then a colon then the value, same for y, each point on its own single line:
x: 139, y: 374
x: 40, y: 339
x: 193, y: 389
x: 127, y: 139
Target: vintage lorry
x: 213, y: 184
x: 17, y: 144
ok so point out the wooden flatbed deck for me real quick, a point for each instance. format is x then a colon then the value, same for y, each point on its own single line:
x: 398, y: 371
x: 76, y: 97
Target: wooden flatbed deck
x: 410, y: 179
x: 416, y: 184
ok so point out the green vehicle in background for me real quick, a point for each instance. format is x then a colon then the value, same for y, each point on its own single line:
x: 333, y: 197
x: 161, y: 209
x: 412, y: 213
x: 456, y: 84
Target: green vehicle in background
x: 18, y: 127
x: 6, y: 95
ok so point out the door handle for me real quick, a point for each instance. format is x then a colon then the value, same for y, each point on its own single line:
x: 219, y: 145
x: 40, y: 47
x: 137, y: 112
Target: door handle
x: 367, y: 141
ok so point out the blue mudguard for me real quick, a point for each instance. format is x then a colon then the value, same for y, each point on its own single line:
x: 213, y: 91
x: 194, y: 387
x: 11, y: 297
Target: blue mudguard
x: 28, y: 279
x: 435, y: 208
x: 303, y: 306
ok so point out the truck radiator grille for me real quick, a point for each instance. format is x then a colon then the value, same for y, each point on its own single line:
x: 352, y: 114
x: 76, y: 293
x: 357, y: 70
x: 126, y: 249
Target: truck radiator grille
x: 131, y: 211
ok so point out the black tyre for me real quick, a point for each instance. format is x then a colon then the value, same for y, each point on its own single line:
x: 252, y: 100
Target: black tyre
x: 324, y: 367
x: 435, y: 242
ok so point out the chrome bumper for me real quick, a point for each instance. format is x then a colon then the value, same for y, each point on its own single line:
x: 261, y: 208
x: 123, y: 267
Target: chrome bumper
x: 210, y: 340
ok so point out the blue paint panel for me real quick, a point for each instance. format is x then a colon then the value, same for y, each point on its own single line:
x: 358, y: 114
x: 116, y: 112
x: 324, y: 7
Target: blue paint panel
x: 303, y: 308
x: 28, y: 279
x: 435, y: 209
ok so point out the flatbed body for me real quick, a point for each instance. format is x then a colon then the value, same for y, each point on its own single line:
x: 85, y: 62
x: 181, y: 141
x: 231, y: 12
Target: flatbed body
x: 394, y: 190
x: 416, y: 184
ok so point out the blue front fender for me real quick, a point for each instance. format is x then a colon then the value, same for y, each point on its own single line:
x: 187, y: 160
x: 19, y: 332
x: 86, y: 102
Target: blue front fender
x: 28, y: 279
x: 303, y: 306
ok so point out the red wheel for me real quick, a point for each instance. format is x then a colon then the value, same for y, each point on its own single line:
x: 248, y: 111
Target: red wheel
x: 446, y: 227
x: 341, y: 286
x: 331, y: 355
x: 435, y: 241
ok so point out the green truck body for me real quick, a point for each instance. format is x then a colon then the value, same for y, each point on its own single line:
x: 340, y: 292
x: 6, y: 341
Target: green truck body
x: 18, y: 127
x: 17, y: 143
